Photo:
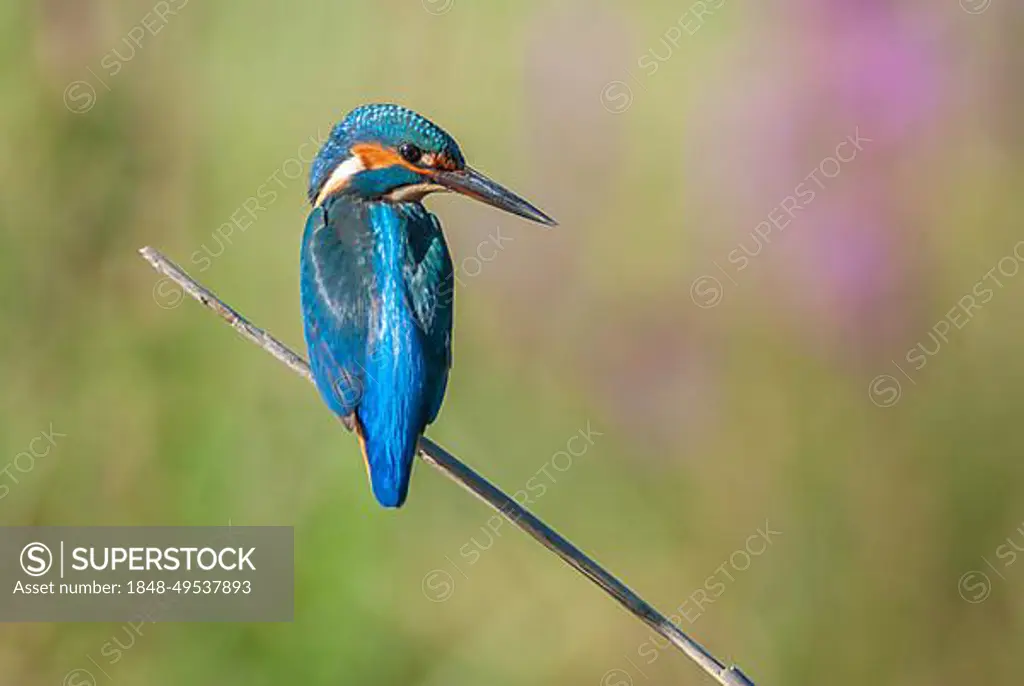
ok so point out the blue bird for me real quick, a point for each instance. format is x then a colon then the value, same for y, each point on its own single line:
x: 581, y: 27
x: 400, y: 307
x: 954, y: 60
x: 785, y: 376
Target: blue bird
x: 377, y: 280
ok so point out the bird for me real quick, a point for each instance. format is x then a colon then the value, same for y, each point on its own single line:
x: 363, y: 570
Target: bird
x: 377, y: 280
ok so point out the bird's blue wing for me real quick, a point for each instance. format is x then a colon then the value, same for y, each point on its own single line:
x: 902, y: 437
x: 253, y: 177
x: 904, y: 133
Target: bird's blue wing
x: 430, y: 286
x: 336, y: 288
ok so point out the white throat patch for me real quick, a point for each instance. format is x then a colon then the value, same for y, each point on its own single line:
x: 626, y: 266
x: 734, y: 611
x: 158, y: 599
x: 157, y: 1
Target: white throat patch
x: 414, y: 192
x: 340, y: 177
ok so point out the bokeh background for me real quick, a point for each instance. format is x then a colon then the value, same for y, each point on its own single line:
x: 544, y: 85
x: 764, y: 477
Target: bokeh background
x: 846, y: 373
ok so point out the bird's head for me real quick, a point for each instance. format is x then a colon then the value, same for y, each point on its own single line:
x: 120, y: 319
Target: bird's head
x: 387, y: 152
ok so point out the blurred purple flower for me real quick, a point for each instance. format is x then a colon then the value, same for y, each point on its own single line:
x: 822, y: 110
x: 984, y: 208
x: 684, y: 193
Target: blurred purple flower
x: 845, y: 65
x: 877, y: 65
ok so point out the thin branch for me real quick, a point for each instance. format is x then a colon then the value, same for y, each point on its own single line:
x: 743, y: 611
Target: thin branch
x: 461, y: 474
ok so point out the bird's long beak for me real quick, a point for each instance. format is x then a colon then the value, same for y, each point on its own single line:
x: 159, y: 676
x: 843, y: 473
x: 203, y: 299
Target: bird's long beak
x: 474, y: 184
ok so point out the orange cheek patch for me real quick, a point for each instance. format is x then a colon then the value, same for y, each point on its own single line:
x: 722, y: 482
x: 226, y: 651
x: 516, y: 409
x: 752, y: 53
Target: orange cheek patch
x: 377, y: 157
x: 439, y: 161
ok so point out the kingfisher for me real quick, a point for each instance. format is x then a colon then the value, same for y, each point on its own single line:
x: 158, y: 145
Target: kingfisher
x: 377, y: 282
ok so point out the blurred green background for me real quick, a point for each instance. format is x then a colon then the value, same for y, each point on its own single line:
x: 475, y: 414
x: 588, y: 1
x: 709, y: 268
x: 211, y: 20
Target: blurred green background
x: 740, y: 366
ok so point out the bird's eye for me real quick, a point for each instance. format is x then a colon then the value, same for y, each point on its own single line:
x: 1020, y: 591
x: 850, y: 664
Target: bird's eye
x: 410, y: 153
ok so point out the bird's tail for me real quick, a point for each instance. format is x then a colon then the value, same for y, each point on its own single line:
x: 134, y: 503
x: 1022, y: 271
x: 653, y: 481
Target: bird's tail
x: 388, y: 463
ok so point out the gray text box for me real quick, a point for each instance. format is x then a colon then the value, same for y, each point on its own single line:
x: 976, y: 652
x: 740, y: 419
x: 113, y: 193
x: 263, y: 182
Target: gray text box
x: 152, y: 574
